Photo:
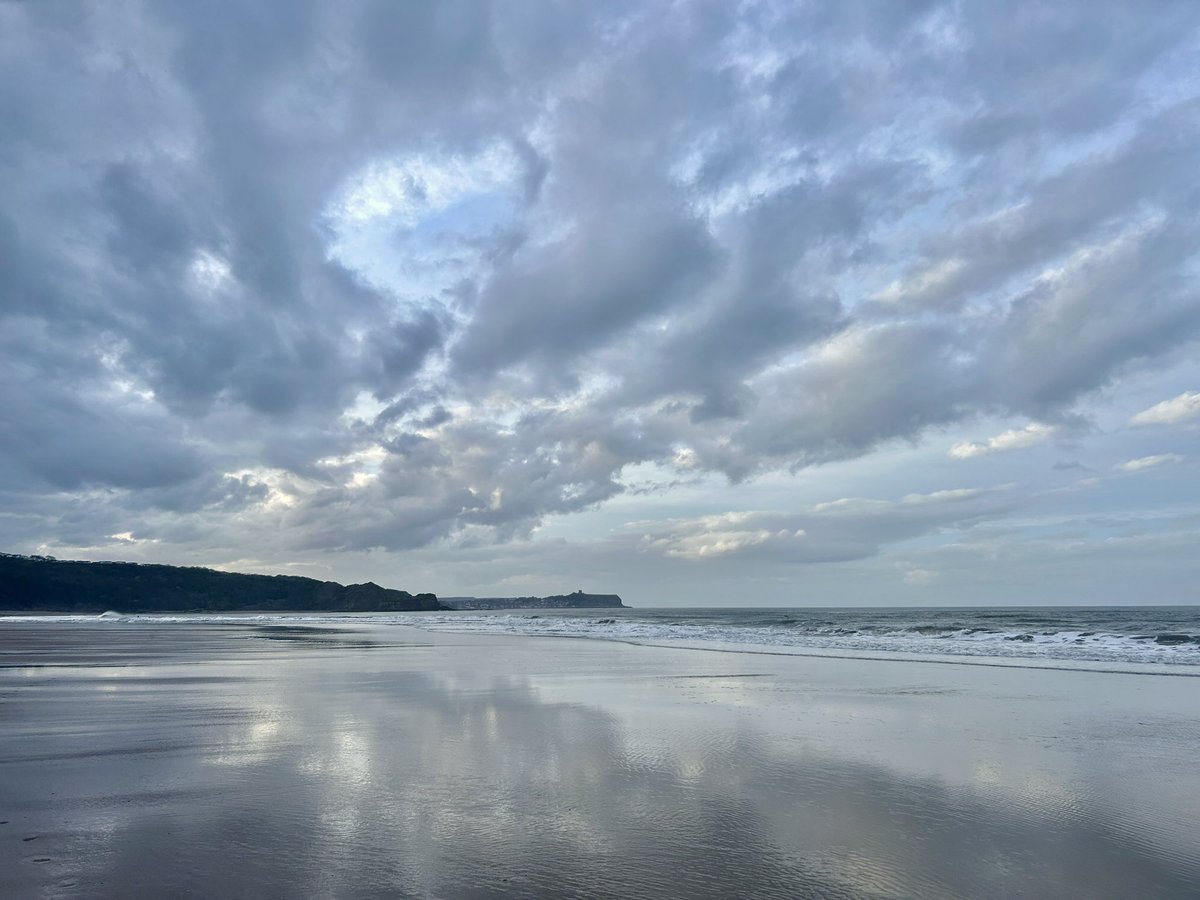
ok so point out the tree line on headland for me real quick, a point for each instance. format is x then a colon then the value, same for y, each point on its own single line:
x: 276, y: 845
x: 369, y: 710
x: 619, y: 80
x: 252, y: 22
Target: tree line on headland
x: 46, y: 584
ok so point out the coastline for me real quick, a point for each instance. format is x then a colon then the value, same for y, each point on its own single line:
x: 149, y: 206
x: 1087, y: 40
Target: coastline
x: 377, y: 759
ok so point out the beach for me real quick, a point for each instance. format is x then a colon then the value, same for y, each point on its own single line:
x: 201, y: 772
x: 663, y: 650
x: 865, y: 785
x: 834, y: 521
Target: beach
x: 363, y: 760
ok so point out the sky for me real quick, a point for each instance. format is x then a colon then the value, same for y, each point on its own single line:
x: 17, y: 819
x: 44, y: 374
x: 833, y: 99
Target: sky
x: 702, y: 303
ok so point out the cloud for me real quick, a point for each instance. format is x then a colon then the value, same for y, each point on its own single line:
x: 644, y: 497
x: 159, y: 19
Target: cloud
x: 863, y: 386
x: 838, y: 530
x: 1148, y: 462
x: 1070, y: 465
x: 917, y: 576
x: 1169, y: 412
x: 379, y: 276
x: 1014, y: 439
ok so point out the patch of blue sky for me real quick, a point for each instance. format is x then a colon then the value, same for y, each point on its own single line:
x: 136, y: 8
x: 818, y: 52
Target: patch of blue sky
x: 423, y: 256
x: 471, y: 218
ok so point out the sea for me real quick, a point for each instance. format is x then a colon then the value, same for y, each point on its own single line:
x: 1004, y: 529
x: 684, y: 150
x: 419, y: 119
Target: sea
x: 1151, y: 639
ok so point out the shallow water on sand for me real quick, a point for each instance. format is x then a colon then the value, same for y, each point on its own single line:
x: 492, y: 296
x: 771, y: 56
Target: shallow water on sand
x: 149, y: 760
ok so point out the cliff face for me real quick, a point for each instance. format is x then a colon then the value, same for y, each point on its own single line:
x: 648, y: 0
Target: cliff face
x: 578, y: 600
x: 41, y: 583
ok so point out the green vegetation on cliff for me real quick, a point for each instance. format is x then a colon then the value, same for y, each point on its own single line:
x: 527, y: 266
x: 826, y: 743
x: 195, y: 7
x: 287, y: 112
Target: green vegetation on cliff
x: 45, y: 584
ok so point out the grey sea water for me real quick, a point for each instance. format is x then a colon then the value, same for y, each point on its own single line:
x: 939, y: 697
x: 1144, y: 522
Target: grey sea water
x: 1128, y: 636
x: 1158, y: 639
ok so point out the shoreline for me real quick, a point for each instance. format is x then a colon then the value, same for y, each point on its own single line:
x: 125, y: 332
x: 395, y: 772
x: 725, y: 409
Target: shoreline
x: 334, y: 619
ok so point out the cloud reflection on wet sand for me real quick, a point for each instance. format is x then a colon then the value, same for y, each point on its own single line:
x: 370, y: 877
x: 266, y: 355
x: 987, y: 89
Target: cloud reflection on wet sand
x: 343, y: 764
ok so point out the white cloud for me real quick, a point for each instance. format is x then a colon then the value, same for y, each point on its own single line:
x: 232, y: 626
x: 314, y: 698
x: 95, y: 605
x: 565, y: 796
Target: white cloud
x: 127, y: 537
x: 1014, y: 439
x: 410, y: 189
x: 922, y: 284
x: 724, y: 535
x: 849, y: 528
x: 1177, y: 409
x: 916, y: 576
x: 1148, y: 462
x: 210, y: 271
x: 685, y: 458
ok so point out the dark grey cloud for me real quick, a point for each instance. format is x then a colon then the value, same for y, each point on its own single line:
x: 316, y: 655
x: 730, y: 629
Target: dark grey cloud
x: 375, y: 275
x: 60, y: 442
x: 622, y: 267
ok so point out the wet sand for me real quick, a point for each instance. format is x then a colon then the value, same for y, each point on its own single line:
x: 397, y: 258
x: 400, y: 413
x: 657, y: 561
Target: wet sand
x: 145, y: 760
